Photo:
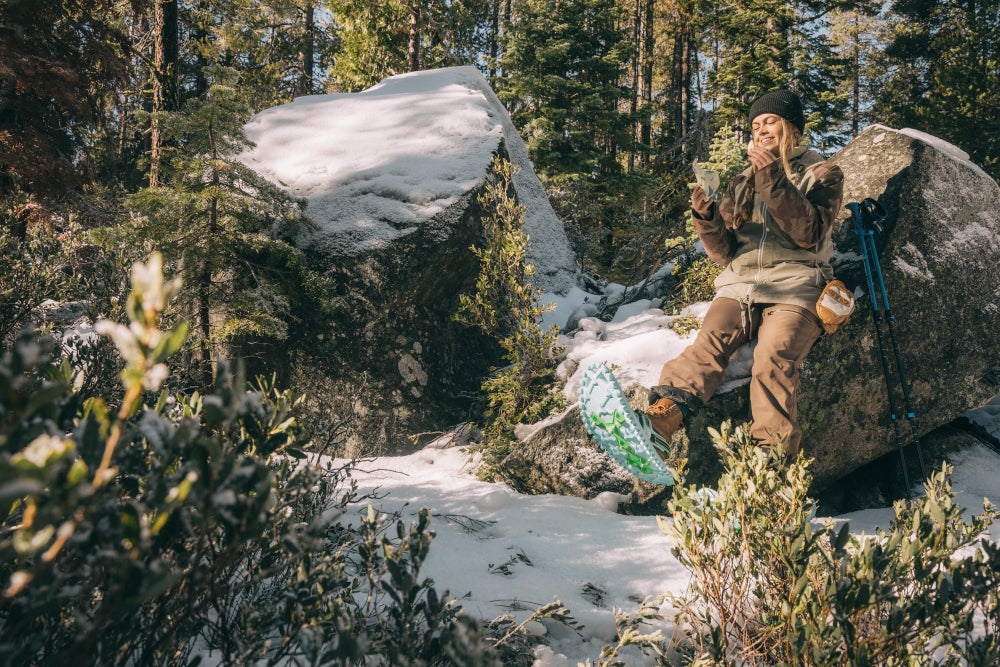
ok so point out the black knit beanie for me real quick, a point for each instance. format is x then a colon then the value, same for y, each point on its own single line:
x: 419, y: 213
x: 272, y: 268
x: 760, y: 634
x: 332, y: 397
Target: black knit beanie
x: 784, y: 103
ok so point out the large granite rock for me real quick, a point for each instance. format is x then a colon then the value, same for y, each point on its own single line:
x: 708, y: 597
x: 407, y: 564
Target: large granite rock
x: 940, y: 255
x: 391, y: 176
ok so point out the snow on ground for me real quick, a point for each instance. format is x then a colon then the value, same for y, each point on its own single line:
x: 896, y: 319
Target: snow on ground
x: 497, y: 550
x: 377, y: 164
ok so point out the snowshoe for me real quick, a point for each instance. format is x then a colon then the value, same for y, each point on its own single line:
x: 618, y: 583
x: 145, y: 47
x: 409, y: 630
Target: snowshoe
x: 626, y: 435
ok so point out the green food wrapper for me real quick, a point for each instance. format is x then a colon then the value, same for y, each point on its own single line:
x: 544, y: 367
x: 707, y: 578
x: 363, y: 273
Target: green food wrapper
x: 707, y: 179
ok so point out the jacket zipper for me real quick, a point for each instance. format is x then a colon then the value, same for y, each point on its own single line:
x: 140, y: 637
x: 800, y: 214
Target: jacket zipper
x: 760, y: 248
x: 746, y: 302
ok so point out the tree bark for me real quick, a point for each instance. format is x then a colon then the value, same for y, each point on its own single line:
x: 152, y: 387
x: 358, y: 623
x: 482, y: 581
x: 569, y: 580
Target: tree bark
x: 648, y: 47
x: 856, y: 83
x: 306, y: 53
x: 685, y: 85
x: 634, y: 96
x: 164, y: 79
x: 414, y: 47
x: 494, y: 39
x: 201, y: 62
x: 205, y: 280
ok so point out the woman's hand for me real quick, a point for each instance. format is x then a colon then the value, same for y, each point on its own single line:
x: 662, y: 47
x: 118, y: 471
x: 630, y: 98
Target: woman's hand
x: 701, y: 206
x: 761, y: 157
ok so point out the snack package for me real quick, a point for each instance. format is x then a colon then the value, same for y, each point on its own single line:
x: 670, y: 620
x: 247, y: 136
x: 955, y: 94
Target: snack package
x: 707, y: 179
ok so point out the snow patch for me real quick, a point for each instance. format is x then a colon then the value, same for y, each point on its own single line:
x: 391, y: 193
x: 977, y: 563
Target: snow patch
x: 988, y: 417
x: 497, y: 550
x: 946, y: 148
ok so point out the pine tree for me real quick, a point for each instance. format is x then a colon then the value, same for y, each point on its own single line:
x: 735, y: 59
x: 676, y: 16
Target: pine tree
x: 278, y: 46
x: 770, y: 44
x: 855, y: 34
x: 224, y: 228
x: 381, y: 38
x: 756, y: 55
x: 727, y: 154
x: 164, y: 75
x: 945, y: 74
x: 684, y: 26
x: 59, y: 62
x: 563, y: 64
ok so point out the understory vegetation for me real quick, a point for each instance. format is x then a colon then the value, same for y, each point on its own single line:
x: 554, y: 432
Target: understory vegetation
x: 771, y: 587
x: 167, y: 528
x: 506, y: 306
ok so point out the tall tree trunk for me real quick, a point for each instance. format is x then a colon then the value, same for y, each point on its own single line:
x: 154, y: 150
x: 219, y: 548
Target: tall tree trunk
x: 164, y: 77
x: 306, y: 53
x: 508, y: 16
x: 199, y: 36
x: 494, y: 40
x: 634, y: 93
x: 204, y: 324
x: 676, y: 85
x: 414, y: 47
x: 856, y: 83
x: 684, y: 85
x: 205, y: 280
x: 648, y: 47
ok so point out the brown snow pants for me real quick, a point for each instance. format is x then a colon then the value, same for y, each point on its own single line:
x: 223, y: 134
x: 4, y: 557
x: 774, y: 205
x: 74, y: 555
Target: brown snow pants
x: 785, y: 334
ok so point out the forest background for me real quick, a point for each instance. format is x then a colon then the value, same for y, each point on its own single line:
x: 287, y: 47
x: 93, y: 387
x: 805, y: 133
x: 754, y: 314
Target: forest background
x: 111, y: 111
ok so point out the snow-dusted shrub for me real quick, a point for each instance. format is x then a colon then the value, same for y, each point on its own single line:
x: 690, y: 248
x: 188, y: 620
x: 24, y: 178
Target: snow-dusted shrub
x: 506, y: 306
x: 155, y: 534
x: 771, y: 587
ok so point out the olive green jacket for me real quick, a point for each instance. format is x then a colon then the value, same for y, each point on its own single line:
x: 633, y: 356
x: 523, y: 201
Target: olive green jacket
x: 782, y: 253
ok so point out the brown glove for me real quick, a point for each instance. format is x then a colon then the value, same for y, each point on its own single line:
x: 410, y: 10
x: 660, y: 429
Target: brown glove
x: 835, y: 305
x: 703, y: 208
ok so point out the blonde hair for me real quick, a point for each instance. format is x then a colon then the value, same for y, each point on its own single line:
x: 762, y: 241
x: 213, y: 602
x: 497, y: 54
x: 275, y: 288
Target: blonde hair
x: 790, y: 138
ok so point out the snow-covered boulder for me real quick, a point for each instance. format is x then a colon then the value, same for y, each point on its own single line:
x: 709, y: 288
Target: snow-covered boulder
x: 940, y: 256
x: 391, y: 175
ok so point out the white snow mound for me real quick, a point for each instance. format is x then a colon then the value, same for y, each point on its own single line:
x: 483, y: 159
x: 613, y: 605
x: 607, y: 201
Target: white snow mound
x: 377, y: 164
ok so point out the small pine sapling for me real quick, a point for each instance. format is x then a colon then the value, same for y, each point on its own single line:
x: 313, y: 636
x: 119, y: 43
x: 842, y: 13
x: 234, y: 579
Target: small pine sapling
x: 506, y: 306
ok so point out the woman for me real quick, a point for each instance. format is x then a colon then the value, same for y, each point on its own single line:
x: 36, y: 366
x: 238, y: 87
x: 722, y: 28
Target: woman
x: 772, y: 232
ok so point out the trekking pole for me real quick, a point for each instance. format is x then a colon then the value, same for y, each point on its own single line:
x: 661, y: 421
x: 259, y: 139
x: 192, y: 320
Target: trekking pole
x: 859, y: 226
x: 876, y: 213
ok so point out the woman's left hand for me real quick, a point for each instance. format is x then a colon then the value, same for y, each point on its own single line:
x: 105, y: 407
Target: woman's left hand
x: 761, y: 157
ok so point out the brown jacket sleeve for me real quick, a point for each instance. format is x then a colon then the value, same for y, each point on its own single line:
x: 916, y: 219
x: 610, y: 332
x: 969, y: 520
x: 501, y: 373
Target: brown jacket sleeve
x: 718, y: 239
x: 806, y: 218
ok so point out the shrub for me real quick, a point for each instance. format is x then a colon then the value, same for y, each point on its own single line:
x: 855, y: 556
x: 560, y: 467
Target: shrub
x: 506, y: 306
x: 727, y: 154
x: 153, y: 534
x: 28, y: 276
x: 770, y: 587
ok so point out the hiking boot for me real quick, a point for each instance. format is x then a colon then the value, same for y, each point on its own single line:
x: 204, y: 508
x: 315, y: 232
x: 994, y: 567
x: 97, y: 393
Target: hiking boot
x: 665, y: 417
x: 648, y: 433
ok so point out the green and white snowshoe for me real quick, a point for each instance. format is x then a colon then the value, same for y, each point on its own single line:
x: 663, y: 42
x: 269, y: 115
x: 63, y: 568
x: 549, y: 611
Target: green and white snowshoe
x: 623, y: 433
